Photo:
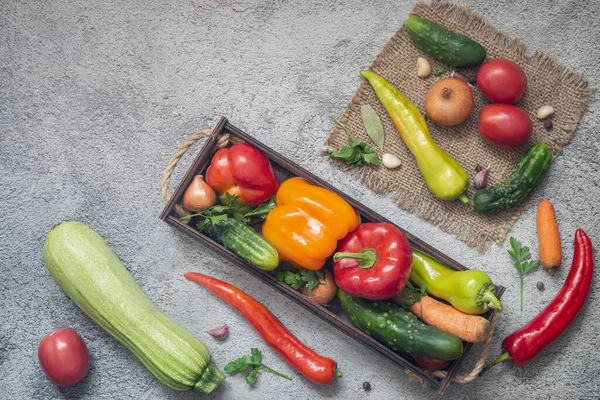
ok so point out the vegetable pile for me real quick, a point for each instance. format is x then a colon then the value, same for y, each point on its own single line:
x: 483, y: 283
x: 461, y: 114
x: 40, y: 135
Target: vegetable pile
x: 321, y: 248
x: 313, y: 241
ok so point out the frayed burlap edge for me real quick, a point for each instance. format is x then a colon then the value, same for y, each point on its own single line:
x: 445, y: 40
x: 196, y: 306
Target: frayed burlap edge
x: 514, y: 49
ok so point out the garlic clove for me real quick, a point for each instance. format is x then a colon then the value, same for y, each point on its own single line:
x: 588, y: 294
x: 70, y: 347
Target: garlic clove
x: 390, y: 161
x: 423, y: 67
x: 481, y: 179
x: 545, y: 111
x: 219, y: 333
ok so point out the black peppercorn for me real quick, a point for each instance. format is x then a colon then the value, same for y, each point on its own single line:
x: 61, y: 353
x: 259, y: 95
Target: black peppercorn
x: 366, y: 386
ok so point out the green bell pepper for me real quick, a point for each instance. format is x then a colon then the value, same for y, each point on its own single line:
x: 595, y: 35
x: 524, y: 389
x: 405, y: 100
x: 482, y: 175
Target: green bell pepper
x: 469, y: 291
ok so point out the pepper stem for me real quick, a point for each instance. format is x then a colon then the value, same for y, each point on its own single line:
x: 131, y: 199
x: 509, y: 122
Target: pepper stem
x: 490, y: 300
x: 504, y: 357
x: 366, y: 258
x: 463, y: 198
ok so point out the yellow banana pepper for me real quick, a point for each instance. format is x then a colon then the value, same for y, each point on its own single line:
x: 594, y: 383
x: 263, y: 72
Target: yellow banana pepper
x: 444, y: 176
x: 307, y: 223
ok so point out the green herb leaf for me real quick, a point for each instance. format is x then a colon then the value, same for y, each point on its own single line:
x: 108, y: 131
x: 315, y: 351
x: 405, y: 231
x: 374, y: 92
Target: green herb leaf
x: 528, y: 266
x: 343, y: 153
x: 410, y: 295
x: 371, y: 158
x: 521, y: 254
x: 251, y: 377
x: 252, y: 361
x: 356, y: 153
x: 256, y: 355
x: 373, y: 124
x: 438, y: 72
x: 299, y: 278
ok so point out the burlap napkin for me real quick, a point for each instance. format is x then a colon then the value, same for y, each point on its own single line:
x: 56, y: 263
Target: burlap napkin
x: 549, y: 82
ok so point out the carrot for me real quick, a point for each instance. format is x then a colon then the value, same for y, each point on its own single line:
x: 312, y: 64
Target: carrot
x: 548, y: 236
x: 470, y: 328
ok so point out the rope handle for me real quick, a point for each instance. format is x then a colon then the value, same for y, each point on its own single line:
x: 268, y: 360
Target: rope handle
x: 224, y: 141
x: 165, y: 182
x: 479, y: 365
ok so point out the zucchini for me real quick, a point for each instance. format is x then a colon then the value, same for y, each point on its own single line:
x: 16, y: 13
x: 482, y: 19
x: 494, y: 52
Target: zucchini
x: 92, y: 275
x: 518, y: 185
x: 400, y: 330
x: 246, y: 243
x: 451, y: 48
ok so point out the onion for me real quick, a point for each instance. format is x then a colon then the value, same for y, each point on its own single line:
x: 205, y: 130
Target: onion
x: 323, y: 293
x: 449, y: 101
x: 199, y: 196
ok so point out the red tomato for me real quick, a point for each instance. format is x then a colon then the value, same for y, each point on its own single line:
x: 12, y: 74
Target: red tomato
x: 505, y: 125
x: 501, y: 81
x: 64, y: 357
x: 244, y: 171
x: 431, y: 363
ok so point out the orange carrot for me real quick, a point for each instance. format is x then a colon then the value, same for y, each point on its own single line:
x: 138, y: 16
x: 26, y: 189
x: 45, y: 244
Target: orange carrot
x: 470, y: 328
x: 548, y: 236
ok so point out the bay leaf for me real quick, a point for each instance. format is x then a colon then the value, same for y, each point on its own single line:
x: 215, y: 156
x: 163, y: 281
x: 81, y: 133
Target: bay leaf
x: 373, y: 124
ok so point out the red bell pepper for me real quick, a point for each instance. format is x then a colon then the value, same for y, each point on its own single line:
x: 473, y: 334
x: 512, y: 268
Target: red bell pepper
x: 524, y: 344
x: 373, y: 262
x: 242, y: 170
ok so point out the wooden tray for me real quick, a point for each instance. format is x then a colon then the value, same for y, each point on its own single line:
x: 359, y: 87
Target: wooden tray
x: 284, y: 168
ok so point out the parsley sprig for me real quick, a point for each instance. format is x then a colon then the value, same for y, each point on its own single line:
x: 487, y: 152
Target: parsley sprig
x: 357, y: 152
x: 411, y: 294
x: 231, y: 207
x: 521, y: 256
x: 253, y: 363
x: 299, y: 278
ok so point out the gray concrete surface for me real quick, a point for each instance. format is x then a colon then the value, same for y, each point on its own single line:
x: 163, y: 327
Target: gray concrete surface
x: 96, y: 96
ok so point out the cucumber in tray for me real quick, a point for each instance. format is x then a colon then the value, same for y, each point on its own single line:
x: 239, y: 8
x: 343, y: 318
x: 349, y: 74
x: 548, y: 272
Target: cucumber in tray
x: 246, y: 243
x: 451, y: 48
x: 400, y: 330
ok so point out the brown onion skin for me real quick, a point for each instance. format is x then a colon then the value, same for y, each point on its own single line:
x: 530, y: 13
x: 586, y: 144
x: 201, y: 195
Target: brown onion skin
x: 322, y: 294
x: 199, y: 196
x: 449, y: 102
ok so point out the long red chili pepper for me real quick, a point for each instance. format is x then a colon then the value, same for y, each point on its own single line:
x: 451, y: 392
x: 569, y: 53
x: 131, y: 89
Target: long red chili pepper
x: 305, y: 360
x: 524, y: 344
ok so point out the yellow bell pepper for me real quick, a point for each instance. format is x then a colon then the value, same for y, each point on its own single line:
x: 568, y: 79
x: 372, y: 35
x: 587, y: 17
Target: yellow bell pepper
x: 307, y: 223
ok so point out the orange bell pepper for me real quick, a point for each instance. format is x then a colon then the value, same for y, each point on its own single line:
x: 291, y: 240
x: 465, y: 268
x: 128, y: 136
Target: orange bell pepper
x: 307, y: 223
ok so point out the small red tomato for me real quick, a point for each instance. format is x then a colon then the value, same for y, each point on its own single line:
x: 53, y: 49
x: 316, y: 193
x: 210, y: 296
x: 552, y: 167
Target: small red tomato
x: 431, y: 363
x: 242, y: 170
x: 64, y: 357
x: 505, y: 125
x: 501, y: 81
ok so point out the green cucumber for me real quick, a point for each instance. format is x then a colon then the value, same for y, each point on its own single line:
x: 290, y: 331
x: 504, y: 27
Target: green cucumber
x: 400, y: 330
x: 512, y: 191
x: 92, y: 275
x: 451, y: 48
x: 246, y: 243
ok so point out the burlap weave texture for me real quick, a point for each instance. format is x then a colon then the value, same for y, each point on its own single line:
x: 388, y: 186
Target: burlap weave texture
x: 549, y: 82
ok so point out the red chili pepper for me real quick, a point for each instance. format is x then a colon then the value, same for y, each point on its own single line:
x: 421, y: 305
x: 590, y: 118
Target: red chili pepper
x: 373, y: 261
x: 524, y: 344
x: 315, y: 367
